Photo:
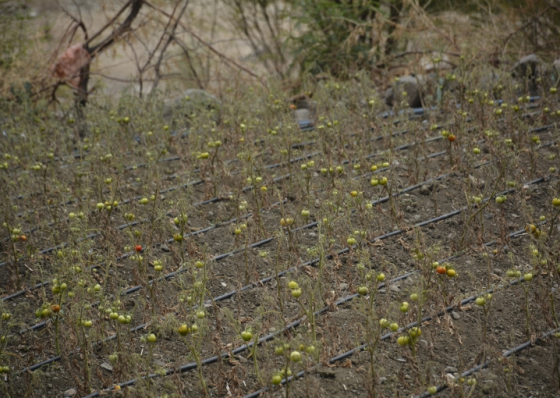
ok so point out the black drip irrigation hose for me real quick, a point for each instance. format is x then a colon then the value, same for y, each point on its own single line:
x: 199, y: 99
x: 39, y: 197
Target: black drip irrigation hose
x: 285, y: 272
x: 471, y: 371
x: 265, y: 280
x: 217, y: 258
x: 127, y: 201
x: 387, y: 336
x: 310, y: 225
x: 295, y: 160
x: 402, y: 147
x: 292, y: 325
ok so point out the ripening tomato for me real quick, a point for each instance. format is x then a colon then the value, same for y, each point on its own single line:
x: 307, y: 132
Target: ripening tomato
x: 441, y: 270
x: 451, y: 137
x: 138, y: 248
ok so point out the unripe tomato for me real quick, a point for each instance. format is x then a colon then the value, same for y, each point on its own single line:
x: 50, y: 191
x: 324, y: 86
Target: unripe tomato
x: 276, y: 379
x: 293, y: 285
x: 394, y: 327
x: 451, y: 273
x: 295, y: 356
x: 296, y: 293
x: 403, y: 340
x: 362, y: 290
x: 246, y: 335
x: 480, y: 301
x: 151, y: 338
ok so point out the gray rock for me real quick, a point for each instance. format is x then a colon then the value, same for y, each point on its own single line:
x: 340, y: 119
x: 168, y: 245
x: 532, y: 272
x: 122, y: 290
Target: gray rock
x: 414, y: 86
x: 326, y: 373
x: 477, y: 182
x: 107, y: 366
x: 528, y: 69
x: 302, y: 115
x: 450, y: 369
x: 70, y: 393
x: 193, y: 101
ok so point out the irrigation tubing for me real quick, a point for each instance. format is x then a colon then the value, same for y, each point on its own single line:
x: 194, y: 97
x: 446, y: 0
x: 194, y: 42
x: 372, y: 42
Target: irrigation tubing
x: 471, y: 371
x: 174, y: 188
x: 387, y: 336
x: 287, y: 271
x: 93, y: 235
x: 310, y: 225
x: 292, y: 325
x: 402, y: 147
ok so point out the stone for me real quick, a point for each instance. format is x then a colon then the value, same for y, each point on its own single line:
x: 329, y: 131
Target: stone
x: 343, y: 286
x: 450, y: 369
x: 477, y: 182
x: 70, y: 393
x: 414, y: 86
x: 382, y: 380
x: 107, y: 366
x: 455, y: 315
x: 528, y: 69
x: 326, y: 373
x: 401, y: 360
x: 434, y: 62
x: 164, y: 247
x: 192, y: 101
x: 302, y: 115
